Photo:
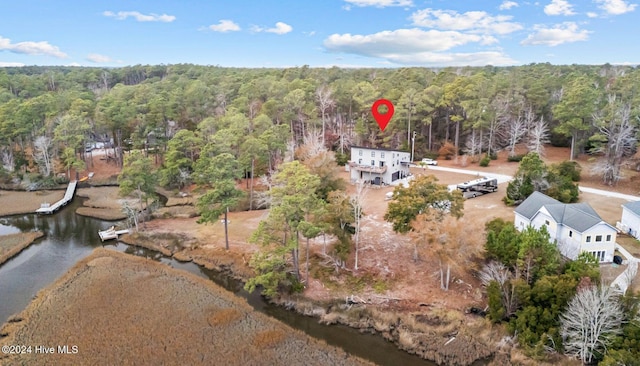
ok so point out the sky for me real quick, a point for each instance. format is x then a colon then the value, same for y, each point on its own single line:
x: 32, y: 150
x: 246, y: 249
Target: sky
x: 318, y: 33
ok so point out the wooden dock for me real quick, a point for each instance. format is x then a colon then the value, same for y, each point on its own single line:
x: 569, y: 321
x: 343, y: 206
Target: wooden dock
x: 48, y: 209
x: 111, y: 233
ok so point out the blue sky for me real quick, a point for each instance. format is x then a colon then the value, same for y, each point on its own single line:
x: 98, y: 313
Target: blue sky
x: 319, y: 33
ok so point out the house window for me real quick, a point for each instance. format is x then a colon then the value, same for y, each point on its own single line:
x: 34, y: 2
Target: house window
x: 373, y: 163
x: 382, y: 155
x: 546, y: 222
x: 359, y: 161
x: 570, y: 234
x: 608, y: 237
x: 599, y: 255
x: 598, y: 238
x: 588, y: 238
x: 373, y: 154
x: 381, y: 163
x: 359, y: 152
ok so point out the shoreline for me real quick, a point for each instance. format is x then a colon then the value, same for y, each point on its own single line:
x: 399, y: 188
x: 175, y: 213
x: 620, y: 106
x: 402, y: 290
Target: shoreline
x: 13, y: 244
x: 432, y: 333
x: 152, y: 313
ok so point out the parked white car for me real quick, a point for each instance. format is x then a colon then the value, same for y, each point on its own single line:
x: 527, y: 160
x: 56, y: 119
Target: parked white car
x: 427, y: 161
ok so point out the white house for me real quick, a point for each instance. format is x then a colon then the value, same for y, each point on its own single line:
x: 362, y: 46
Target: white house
x: 631, y: 219
x: 575, y: 227
x: 378, y: 166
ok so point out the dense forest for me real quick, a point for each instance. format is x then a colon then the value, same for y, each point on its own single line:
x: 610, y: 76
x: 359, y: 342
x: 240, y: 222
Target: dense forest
x: 49, y: 114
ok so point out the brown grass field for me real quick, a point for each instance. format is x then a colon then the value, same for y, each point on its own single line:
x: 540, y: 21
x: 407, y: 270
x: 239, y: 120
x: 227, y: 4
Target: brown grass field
x: 119, y: 309
x: 17, y: 202
x: 13, y: 244
x: 102, y: 202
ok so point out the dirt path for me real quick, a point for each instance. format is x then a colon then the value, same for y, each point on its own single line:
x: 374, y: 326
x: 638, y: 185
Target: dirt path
x: 114, y: 308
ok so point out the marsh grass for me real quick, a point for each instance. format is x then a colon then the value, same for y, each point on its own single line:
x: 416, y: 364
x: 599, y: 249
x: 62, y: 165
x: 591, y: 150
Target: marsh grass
x: 107, y: 214
x: 268, y: 338
x: 223, y: 317
x: 13, y: 244
x: 121, y: 309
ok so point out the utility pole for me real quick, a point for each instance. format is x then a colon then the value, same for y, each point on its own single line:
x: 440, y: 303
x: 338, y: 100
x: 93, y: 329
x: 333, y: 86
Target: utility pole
x: 413, y: 145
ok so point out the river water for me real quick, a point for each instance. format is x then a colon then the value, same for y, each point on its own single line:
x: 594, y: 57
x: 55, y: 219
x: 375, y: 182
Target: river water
x: 70, y: 237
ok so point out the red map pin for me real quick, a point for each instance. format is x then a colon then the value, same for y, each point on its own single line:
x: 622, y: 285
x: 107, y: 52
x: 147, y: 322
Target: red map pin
x: 382, y: 118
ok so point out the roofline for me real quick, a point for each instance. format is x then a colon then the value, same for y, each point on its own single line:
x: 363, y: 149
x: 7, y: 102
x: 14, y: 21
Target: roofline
x: 378, y: 148
x: 563, y: 224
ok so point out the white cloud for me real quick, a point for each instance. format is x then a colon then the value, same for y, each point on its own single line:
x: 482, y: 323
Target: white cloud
x: 566, y: 32
x: 378, y: 3
x: 416, y: 46
x: 11, y: 64
x: 506, y: 5
x: 280, y: 28
x: 454, y: 59
x: 616, y: 7
x: 224, y: 26
x: 121, y: 15
x: 31, y: 48
x: 473, y: 21
x: 559, y: 7
x: 98, y: 59
x: 591, y: 14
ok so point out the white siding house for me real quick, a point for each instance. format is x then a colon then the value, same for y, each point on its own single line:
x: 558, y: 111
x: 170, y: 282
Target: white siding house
x: 575, y: 227
x: 631, y: 219
x: 378, y: 166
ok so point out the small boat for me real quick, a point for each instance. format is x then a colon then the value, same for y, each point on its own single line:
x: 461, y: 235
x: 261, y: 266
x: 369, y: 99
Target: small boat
x: 111, y: 233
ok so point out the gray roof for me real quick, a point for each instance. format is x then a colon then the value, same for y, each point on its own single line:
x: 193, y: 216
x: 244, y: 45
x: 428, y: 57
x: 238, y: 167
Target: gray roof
x: 529, y: 207
x: 578, y: 216
x: 633, y: 207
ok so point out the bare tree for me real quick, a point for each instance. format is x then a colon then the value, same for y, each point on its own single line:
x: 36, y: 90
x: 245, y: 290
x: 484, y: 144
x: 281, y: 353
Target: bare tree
x: 450, y: 240
x: 538, y: 136
x: 324, y: 97
x: 356, y: 201
x: 42, y: 154
x: 498, y: 272
x: 616, y: 129
x: 6, y: 158
x: 474, y: 144
x: 590, y: 322
x: 516, y: 130
x: 132, y: 214
x: 263, y: 198
x: 495, y: 271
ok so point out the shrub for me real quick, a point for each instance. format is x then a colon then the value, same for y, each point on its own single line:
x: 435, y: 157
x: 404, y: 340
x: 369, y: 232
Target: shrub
x: 485, y: 161
x: 447, y: 150
x: 493, y: 156
x: 515, y: 158
x: 342, y: 158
